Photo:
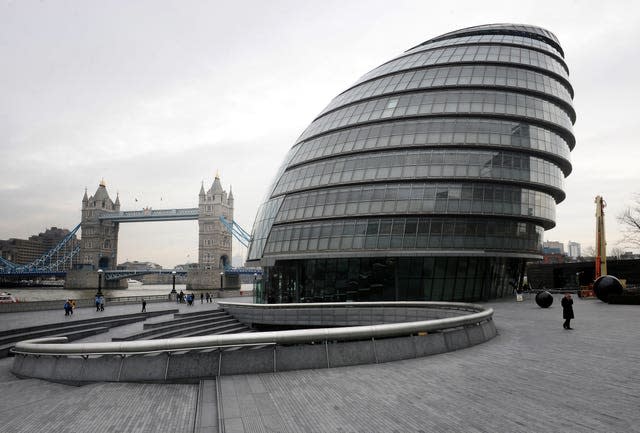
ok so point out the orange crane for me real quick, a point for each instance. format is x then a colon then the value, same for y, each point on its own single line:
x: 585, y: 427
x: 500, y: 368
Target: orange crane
x: 601, y: 249
x: 601, y: 243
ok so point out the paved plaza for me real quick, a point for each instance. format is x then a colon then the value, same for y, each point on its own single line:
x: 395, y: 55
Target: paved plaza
x: 533, y: 377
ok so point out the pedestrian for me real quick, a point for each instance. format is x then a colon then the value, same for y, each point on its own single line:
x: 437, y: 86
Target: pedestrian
x: 97, y: 303
x: 206, y: 296
x: 101, y: 303
x: 567, y: 310
x: 67, y: 307
x: 202, y: 298
x: 72, y: 305
x: 144, y: 306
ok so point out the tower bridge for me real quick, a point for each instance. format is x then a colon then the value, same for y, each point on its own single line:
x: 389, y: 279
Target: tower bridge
x: 98, y: 246
x: 101, y: 219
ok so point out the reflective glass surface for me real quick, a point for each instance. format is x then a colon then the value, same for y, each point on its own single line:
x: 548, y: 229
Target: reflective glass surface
x: 432, y: 133
x: 472, y: 54
x: 418, y: 198
x: 454, y: 102
x: 431, y: 178
x: 262, y: 227
x: 405, y: 233
x: 424, y: 164
x: 490, y: 39
x: 528, y: 31
x: 365, y: 279
x: 456, y: 76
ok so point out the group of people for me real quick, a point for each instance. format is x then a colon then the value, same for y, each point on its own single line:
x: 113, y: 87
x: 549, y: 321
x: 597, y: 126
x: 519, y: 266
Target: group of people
x: 99, y: 303
x: 190, y: 298
x: 69, y: 305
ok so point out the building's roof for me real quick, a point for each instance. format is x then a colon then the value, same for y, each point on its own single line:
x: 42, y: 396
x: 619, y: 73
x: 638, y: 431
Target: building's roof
x: 504, y: 28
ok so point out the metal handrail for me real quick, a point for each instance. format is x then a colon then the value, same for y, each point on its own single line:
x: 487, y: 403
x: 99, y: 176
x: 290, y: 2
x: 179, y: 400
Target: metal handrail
x: 124, y: 348
x: 58, y: 340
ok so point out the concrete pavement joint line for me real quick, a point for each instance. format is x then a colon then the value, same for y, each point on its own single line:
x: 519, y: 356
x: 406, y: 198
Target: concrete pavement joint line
x: 274, y: 359
x: 219, y: 405
x: 166, y: 368
x: 326, y: 350
x: 373, y: 346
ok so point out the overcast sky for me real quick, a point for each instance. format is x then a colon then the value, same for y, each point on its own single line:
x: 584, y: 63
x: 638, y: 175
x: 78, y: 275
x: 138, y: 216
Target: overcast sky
x: 156, y: 96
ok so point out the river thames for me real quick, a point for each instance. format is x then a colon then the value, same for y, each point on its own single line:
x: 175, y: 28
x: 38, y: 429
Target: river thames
x: 24, y: 294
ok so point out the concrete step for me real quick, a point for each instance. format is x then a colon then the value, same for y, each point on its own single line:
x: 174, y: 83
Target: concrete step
x: 168, y: 331
x: 209, y: 316
x: 215, y: 310
x: 71, y: 336
x: 199, y: 330
x: 216, y: 331
x: 55, y: 329
x: 77, y: 322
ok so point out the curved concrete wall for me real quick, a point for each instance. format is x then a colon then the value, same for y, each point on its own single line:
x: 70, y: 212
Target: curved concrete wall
x: 195, y: 358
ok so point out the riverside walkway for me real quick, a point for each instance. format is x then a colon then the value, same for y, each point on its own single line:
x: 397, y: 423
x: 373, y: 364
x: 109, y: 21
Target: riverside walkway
x: 533, y: 377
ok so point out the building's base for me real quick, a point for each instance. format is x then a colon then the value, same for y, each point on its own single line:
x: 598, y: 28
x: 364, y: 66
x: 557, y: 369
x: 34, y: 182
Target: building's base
x: 210, y: 279
x: 88, y: 279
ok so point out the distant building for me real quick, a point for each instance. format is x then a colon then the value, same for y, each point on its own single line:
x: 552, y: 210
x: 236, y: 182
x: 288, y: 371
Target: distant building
x: 553, y: 247
x: 25, y: 251
x: 574, y: 249
x: 138, y: 266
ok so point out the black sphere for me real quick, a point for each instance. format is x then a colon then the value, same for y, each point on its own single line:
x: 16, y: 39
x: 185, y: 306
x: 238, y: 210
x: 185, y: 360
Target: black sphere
x: 605, y: 286
x: 544, y: 299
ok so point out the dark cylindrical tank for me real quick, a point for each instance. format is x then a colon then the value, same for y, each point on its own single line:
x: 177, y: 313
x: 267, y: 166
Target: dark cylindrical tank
x: 544, y: 299
x: 605, y: 286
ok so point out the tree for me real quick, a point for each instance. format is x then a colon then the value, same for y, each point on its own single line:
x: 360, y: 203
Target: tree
x: 630, y: 220
x: 589, y: 251
x: 616, y: 253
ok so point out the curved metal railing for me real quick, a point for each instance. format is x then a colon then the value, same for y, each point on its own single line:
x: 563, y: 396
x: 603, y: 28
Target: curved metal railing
x: 52, y: 346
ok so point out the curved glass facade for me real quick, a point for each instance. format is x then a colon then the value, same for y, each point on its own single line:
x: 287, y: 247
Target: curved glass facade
x: 433, y: 177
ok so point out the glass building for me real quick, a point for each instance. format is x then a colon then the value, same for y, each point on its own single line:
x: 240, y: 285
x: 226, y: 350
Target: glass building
x: 433, y: 177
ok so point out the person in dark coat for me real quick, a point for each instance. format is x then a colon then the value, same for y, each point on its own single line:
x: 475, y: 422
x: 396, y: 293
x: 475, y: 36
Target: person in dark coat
x: 567, y: 310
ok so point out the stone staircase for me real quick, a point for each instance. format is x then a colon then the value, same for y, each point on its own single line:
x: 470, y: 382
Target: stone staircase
x: 74, y: 330
x: 189, y: 325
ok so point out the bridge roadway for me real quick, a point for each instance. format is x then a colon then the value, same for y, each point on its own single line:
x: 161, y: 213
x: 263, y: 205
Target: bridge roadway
x: 533, y: 377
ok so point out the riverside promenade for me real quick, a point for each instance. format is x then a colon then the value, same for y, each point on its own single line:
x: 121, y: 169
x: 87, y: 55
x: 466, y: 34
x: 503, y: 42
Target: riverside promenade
x: 533, y: 377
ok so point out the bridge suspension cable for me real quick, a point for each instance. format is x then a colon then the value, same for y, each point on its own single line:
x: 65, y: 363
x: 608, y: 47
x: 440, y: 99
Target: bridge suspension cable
x: 58, y: 258
x: 238, y: 232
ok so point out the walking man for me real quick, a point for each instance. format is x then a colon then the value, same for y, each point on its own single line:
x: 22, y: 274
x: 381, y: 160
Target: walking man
x: 567, y: 310
x: 144, y: 306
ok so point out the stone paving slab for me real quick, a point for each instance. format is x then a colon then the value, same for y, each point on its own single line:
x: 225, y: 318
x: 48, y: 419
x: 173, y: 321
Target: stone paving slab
x: 533, y: 377
x: 31, y: 406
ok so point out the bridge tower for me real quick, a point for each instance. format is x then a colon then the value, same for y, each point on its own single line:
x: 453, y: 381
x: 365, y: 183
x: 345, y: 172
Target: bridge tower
x: 99, y: 242
x: 214, y: 240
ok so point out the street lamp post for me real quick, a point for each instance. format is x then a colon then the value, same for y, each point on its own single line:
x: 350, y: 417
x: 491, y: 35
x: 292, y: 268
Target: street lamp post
x: 100, y: 271
x: 173, y: 274
x: 255, y: 278
x: 221, y: 280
